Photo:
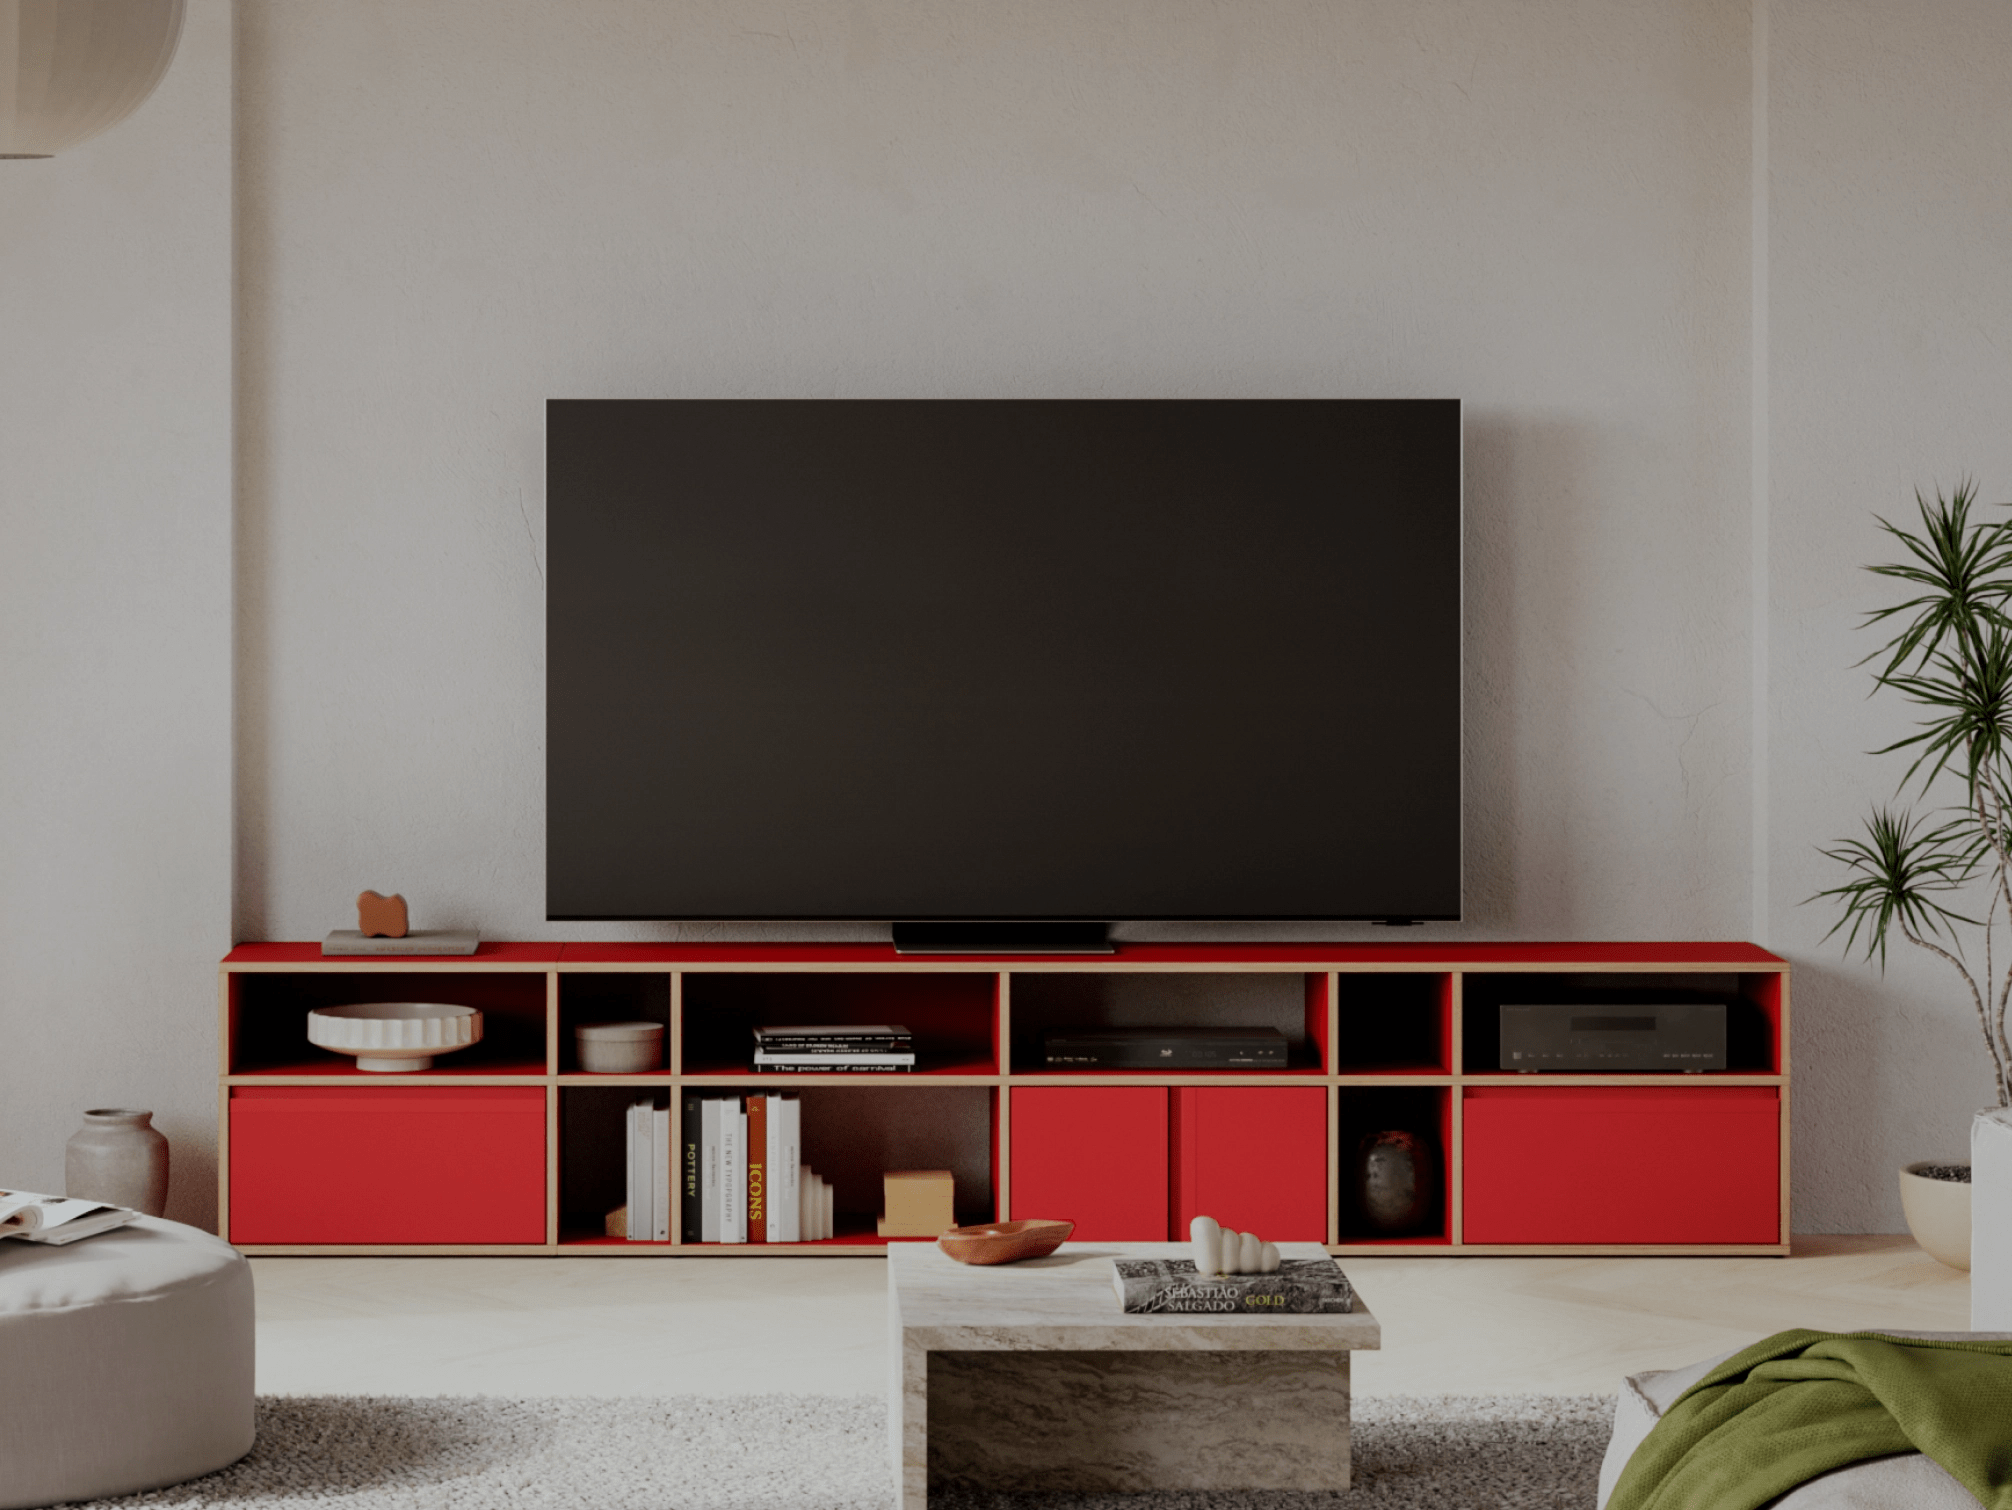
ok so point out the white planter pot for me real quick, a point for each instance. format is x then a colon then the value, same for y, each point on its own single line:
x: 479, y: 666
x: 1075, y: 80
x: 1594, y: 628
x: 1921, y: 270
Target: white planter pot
x: 1938, y: 1214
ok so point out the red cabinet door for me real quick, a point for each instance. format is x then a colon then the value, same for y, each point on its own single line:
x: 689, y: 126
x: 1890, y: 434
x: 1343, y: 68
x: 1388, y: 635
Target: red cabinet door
x: 1252, y: 1157
x: 384, y: 1164
x: 1655, y: 1164
x: 1095, y: 1155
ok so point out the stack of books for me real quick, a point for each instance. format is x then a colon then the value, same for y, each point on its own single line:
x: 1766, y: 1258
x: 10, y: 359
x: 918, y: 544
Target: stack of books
x: 741, y: 1175
x: 649, y: 1186
x: 1170, y: 1286
x: 834, y: 1049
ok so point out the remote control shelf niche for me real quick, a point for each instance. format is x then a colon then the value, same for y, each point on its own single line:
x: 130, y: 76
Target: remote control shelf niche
x: 510, y: 1147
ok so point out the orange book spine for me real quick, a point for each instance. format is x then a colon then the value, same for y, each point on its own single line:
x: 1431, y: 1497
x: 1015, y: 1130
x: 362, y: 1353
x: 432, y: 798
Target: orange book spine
x: 757, y: 1169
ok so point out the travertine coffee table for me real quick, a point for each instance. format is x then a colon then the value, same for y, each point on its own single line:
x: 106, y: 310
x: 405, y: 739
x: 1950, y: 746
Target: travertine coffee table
x: 1029, y: 1376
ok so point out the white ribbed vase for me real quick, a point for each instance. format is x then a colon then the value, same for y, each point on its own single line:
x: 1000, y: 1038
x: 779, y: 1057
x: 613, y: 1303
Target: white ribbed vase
x: 394, y: 1036
x: 72, y: 68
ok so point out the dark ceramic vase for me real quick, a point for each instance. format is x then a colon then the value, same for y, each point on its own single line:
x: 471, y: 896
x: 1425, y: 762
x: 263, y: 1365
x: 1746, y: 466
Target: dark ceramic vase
x: 1397, y: 1182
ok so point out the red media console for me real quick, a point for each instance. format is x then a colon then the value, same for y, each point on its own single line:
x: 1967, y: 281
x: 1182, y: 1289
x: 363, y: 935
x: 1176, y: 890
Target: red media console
x: 507, y: 1147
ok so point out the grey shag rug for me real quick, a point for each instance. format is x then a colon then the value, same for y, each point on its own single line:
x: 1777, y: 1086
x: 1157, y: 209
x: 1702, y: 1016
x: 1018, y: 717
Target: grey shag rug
x: 810, y: 1452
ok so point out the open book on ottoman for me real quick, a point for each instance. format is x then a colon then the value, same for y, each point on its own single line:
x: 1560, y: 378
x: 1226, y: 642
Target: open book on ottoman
x: 55, y: 1219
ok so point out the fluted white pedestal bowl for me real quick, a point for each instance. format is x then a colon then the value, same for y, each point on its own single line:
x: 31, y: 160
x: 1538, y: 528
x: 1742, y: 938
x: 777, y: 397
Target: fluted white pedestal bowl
x: 394, y: 1036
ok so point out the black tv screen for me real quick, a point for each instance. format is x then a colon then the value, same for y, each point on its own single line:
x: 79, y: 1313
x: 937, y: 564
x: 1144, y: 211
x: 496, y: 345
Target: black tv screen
x: 950, y: 659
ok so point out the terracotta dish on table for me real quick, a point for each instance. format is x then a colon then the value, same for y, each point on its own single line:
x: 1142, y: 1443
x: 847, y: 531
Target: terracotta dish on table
x: 1004, y: 1242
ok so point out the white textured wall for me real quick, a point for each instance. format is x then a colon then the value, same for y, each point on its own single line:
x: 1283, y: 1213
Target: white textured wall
x: 1890, y: 340
x: 115, y: 582
x: 449, y: 212
x: 455, y: 210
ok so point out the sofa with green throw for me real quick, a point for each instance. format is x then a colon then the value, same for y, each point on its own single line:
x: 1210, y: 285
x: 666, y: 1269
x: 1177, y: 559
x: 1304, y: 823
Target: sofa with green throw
x: 1820, y: 1421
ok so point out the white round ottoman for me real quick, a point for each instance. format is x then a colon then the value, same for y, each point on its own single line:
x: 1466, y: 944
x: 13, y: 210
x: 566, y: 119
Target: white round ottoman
x: 127, y: 1362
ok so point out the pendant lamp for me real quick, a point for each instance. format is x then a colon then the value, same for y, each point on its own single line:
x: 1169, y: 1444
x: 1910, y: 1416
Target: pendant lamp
x: 72, y: 68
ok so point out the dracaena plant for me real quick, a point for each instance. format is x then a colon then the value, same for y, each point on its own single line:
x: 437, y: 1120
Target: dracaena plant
x: 1949, y: 652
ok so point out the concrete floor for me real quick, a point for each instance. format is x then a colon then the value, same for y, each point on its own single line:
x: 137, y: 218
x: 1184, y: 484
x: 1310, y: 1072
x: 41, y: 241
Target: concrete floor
x: 584, y: 1326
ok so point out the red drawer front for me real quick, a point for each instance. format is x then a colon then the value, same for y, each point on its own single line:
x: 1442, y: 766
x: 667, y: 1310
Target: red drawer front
x: 1252, y: 1157
x: 419, y: 1164
x: 1596, y: 1165
x: 1095, y: 1156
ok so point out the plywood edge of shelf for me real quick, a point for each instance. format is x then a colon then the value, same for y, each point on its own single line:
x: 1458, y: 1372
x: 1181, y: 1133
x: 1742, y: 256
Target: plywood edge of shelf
x: 254, y: 1078
x: 579, y: 1249
x: 1684, y: 1082
x: 749, y: 1080
x: 1586, y: 1250
x: 1091, y: 1079
x: 414, y: 964
x: 393, y: 1250
x: 564, y: 1249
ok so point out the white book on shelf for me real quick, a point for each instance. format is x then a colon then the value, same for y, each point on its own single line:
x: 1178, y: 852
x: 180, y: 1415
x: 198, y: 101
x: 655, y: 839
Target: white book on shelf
x: 785, y: 1117
x: 772, y: 1224
x: 710, y: 1139
x: 827, y: 1208
x: 733, y: 1173
x: 806, y: 1192
x: 633, y: 1171
x: 660, y: 1154
x: 643, y: 1216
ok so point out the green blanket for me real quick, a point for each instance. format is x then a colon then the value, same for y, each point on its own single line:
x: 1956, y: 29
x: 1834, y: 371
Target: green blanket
x: 1802, y: 1403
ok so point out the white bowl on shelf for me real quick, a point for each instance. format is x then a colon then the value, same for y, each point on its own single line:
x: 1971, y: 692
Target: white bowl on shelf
x: 393, y: 1037
x: 620, y: 1048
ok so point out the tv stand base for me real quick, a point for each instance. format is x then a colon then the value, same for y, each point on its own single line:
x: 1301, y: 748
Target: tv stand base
x: 1003, y: 938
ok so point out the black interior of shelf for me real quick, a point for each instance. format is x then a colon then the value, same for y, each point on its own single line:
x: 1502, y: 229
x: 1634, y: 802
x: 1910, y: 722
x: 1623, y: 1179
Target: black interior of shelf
x: 594, y: 1151
x: 273, y: 1008
x: 1750, y: 1045
x: 1269, y: 999
x: 1361, y: 1112
x: 950, y: 1013
x: 1390, y: 1022
x: 852, y: 1135
x: 588, y: 997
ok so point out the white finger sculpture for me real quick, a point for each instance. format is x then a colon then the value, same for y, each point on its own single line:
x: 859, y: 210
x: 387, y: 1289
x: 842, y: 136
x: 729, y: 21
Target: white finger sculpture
x: 1206, y: 1238
x: 1217, y: 1250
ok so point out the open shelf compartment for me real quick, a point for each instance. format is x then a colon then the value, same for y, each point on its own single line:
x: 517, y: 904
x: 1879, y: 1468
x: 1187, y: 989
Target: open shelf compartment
x: 589, y: 997
x: 1393, y: 1024
x: 1753, y: 1010
x: 953, y: 1015
x: 852, y: 1134
x: 266, y: 1024
x: 1293, y: 1003
x: 1361, y: 1112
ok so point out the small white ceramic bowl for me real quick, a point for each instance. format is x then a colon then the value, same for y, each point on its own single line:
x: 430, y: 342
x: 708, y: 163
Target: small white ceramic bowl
x: 620, y: 1048
x: 393, y: 1037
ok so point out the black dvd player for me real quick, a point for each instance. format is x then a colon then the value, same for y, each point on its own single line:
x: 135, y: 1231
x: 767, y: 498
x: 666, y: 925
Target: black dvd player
x: 1596, y: 1038
x: 1165, y: 1049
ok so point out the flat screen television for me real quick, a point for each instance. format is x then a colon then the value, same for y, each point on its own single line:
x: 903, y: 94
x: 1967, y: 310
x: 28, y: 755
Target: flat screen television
x: 1000, y: 661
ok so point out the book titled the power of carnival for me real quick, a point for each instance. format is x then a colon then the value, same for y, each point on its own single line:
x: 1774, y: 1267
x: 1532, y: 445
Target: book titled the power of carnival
x: 1298, y: 1287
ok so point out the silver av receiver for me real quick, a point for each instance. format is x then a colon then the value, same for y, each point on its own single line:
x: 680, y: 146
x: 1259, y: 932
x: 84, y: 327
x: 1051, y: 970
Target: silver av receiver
x: 1592, y: 1038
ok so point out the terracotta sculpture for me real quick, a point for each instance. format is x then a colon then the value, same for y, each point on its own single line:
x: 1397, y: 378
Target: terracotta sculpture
x: 380, y: 917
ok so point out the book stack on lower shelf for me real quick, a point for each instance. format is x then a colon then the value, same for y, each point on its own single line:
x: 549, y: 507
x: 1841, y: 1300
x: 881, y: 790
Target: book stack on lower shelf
x: 742, y: 1179
x: 834, y: 1049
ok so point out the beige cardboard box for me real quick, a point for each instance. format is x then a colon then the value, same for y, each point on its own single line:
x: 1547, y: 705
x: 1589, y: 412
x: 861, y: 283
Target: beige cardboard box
x: 919, y: 1203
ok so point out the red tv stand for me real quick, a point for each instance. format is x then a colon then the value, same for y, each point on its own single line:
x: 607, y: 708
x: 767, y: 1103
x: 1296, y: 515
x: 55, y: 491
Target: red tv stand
x: 507, y: 1147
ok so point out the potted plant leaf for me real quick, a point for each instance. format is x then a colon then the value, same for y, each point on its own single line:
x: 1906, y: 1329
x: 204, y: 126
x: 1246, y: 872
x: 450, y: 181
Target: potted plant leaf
x: 1949, y: 652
